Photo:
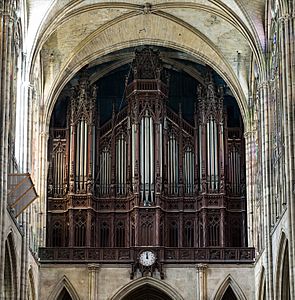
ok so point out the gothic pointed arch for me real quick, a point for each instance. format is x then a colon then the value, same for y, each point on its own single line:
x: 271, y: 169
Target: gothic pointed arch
x: 262, y: 285
x: 64, y: 295
x: 283, y: 276
x: 64, y: 288
x: 10, y: 269
x: 31, y: 287
x: 161, y: 288
x: 229, y: 285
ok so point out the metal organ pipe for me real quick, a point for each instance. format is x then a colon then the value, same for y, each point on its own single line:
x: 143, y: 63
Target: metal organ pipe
x: 200, y: 157
x: 189, y: 170
x: 121, y: 164
x: 93, y: 150
x: 133, y: 143
x: 147, y: 159
x: 105, y: 171
x: 81, y: 155
x: 208, y: 156
x: 215, y: 156
x: 151, y: 142
x: 160, y: 151
x: 173, y: 165
x: 58, y: 168
x: 142, y: 158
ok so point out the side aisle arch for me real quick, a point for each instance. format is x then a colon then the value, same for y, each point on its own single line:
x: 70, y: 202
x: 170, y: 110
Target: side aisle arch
x: 10, y: 269
x: 64, y: 283
x: 229, y: 282
x: 147, y: 281
x: 282, y: 270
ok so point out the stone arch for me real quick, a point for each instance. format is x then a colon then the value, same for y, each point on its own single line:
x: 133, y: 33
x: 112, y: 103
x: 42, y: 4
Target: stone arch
x: 10, y: 269
x: 154, y: 283
x: 64, y: 283
x: 103, y: 41
x: 229, y: 282
x: 282, y: 267
x: 74, y: 65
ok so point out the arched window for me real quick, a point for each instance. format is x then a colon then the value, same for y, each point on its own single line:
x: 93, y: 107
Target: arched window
x: 120, y: 234
x: 104, y: 235
x: 173, y: 234
x: 214, y: 229
x: 188, y: 237
x: 80, y: 231
x: 57, y: 234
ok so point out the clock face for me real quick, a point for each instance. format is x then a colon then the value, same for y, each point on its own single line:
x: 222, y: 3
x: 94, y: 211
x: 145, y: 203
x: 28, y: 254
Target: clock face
x: 147, y: 258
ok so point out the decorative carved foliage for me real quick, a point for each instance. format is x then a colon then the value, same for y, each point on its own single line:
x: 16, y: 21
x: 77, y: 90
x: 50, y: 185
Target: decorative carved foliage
x: 83, y: 102
x: 210, y: 101
x: 147, y: 64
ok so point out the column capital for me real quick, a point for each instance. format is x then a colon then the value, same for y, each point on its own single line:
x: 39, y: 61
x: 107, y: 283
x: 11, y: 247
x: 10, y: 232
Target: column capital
x: 44, y: 134
x: 263, y: 84
x: 249, y: 134
x: 201, y: 267
x: 285, y: 18
x: 94, y: 267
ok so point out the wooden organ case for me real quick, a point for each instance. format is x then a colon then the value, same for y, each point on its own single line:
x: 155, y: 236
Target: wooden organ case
x: 146, y: 177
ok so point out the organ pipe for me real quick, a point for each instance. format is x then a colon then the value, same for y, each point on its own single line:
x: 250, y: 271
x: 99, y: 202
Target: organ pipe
x: 121, y: 164
x: 234, y: 170
x: 147, y: 159
x: 189, y: 171
x: 173, y: 165
x: 133, y: 147
x: 105, y: 171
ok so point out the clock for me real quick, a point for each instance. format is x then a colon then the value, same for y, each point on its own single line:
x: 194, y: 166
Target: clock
x: 147, y: 258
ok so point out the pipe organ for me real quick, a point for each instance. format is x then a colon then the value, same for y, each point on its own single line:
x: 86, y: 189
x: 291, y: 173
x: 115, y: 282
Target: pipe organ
x: 147, y: 176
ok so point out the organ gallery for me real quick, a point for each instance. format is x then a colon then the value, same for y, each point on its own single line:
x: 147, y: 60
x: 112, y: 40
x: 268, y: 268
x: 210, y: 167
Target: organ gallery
x: 147, y: 169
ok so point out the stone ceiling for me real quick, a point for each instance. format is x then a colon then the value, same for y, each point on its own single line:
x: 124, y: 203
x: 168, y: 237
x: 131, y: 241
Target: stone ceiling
x: 225, y: 34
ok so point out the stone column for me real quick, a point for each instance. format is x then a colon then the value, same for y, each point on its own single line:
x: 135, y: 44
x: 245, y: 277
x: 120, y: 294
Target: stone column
x: 8, y: 20
x: 201, y: 284
x: 93, y: 273
x: 266, y: 196
x: 42, y: 173
x: 287, y: 31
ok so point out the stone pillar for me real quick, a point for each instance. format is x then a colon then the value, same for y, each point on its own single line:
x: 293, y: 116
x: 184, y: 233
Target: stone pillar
x: 8, y: 20
x: 287, y: 43
x: 42, y: 173
x: 93, y: 273
x: 250, y: 148
x: 201, y: 284
x: 266, y: 196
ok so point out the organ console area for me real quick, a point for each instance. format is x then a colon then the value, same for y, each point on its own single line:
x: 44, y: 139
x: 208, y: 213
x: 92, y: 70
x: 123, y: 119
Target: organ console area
x: 146, y: 176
